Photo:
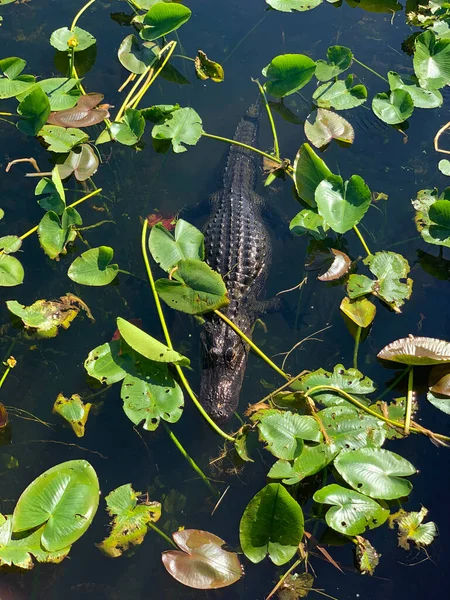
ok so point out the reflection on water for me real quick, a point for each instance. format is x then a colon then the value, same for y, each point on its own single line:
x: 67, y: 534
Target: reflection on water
x: 245, y: 38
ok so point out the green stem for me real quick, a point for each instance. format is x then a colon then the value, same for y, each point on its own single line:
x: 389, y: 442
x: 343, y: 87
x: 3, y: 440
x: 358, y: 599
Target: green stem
x: 79, y: 13
x: 170, y: 47
x: 130, y: 93
x: 394, y: 383
x: 276, y: 146
x: 5, y: 375
x: 162, y: 320
x: 189, y: 459
x: 236, y: 143
x: 183, y: 56
x: 362, y: 240
x: 369, y: 69
x: 162, y: 534
x: 355, y: 351
x: 252, y: 345
x: 409, y: 401
x: 358, y: 404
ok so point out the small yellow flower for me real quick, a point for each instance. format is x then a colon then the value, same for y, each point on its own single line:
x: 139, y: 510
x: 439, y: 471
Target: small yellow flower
x: 11, y: 362
x: 72, y: 42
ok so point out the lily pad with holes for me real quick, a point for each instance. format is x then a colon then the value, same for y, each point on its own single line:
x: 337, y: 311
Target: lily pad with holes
x: 207, y: 68
x: 108, y: 363
x: 201, y: 562
x: 74, y: 411
x: 131, y: 515
x: 349, y: 428
x: 411, y: 528
x: 61, y: 139
x: 351, y: 513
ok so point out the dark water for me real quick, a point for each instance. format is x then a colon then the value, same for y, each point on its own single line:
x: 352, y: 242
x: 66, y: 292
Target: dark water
x: 135, y: 185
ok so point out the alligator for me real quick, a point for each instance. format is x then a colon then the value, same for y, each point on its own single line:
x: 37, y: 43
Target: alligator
x: 238, y: 246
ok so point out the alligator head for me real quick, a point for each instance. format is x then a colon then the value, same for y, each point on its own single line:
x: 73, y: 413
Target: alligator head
x: 224, y: 358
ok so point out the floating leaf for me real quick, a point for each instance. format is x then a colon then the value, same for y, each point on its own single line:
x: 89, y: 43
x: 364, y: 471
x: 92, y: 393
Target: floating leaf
x: 44, y: 317
x: 167, y: 249
x: 202, y: 563
x: 284, y: 432
x: 444, y: 168
x: 422, y: 98
x: 309, y: 221
x: 309, y: 171
x: 393, y: 108
x: 84, y: 114
x: 208, y: 69
x: 13, y: 83
x: 152, y: 396
x: 375, y: 472
x: 272, y: 524
x: 61, y: 139
x: 339, y: 267
x: 349, y: 428
x: 291, y: 5
x: 10, y: 244
x: 361, y: 311
x: 351, y: 513
x: 439, y: 380
x: 340, y: 94
x: 74, y: 411
x: 312, y: 460
x: 136, y: 57
x: 411, y: 528
x: 148, y: 346
x: 55, y: 232
x: 287, y: 74
x: 163, y: 18
x: 129, y: 130
x: 240, y: 443
x: 108, y: 363
x: 433, y: 217
x: 324, y: 125
x: 35, y: 109
x: 64, y: 499
x: 432, y: 61
x: 367, y: 558
x: 194, y: 289
x: 417, y: 351
x: 11, y: 271
x: 64, y: 39
x: 342, y: 205
x: 93, y: 267
x: 183, y: 126
x: 130, y: 519
x: 339, y: 59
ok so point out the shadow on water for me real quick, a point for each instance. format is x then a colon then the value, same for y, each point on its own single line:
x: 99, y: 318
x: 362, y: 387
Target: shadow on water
x: 245, y: 38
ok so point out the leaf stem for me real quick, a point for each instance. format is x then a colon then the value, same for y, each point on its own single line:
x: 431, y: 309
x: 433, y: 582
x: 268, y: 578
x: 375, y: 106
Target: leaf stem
x: 170, y: 47
x: 79, y: 13
x: 276, y: 146
x: 5, y: 375
x: 414, y: 428
x: 355, y: 351
x: 236, y: 143
x: 35, y: 228
x: 394, y: 383
x: 362, y: 240
x: 369, y: 69
x: 131, y: 92
x: 162, y: 320
x: 409, y: 401
x: 190, y: 460
x: 252, y: 345
x: 161, y: 533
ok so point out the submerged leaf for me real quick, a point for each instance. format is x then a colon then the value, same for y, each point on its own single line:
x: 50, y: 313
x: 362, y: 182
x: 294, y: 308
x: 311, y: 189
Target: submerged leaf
x: 208, y: 69
x: 296, y: 586
x: 272, y: 524
x: 417, y: 351
x: 202, y: 563
x: 74, y: 411
x: 130, y: 519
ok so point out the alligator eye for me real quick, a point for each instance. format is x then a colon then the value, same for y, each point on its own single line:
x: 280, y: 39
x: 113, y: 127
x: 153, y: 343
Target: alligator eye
x: 229, y: 354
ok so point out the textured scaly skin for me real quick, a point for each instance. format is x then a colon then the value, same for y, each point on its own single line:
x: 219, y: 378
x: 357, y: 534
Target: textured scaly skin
x: 237, y: 245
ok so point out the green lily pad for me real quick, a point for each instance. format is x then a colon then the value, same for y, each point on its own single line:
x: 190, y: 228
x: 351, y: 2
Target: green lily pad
x: 34, y: 110
x: 432, y: 61
x: 349, y: 428
x: 393, y: 108
x: 312, y: 460
x: 163, y: 18
x: 375, y: 472
x: 64, y: 499
x: 11, y: 271
x: 309, y: 221
x: 422, y: 98
x: 361, y: 311
x: 309, y: 170
x: 183, y: 126
x: 341, y: 94
x: 93, y: 267
x: 287, y: 74
x: 78, y: 40
x: 61, y: 139
x: 272, y: 524
x: 74, y: 411
x: 167, y: 249
x: 129, y: 130
x: 291, y: 5
x: 55, y: 232
x: 108, y: 363
x: 207, y: 68
x: 135, y: 56
x: 131, y: 516
x: 339, y: 59
x: 351, y: 513
x: 284, y: 432
x: 13, y: 83
x: 367, y: 558
x: 10, y: 244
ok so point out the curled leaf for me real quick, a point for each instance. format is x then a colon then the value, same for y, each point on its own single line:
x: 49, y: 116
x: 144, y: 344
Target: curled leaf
x: 83, y: 114
x: 82, y: 164
x: 324, y: 125
x: 339, y: 267
x: 74, y: 411
x: 367, y: 558
x: 439, y: 380
x: 417, y: 351
x: 208, y: 69
x: 361, y: 311
x: 412, y: 529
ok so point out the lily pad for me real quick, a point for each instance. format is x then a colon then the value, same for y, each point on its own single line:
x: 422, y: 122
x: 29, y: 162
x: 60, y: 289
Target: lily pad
x: 129, y: 130
x: 11, y: 271
x: 287, y: 74
x: 136, y: 56
x: 84, y: 114
x: 272, y: 524
x: 411, y: 528
x: 55, y: 232
x: 367, y: 558
x: 13, y: 83
x: 82, y: 164
x: 183, y: 126
x: 309, y: 171
x: 77, y: 40
x: 432, y: 61
x: 323, y: 126
x: 64, y: 499
x: 61, y: 139
x: 194, y: 289
x: 417, y: 351
x: 74, y: 411
x: 167, y: 249
x: 34, y: 110
x: 393, y: 108
x: 361, y: 311
x: 207, y: 68
x: 340, y: 94
x: 349, y: 428
x: 339, y: 267
x: 108, y: 363
x: 10, y: 244
x: 421, y: 97
x: 147, y: 346
x: 309, y: 221
x: 291, y: 5
x: 339, y: 59
x: 284, y: 432
x: 201, y: 562
x: 439, y: 380
x: 375, y: 472
x: 131, y: 514
x: 312, y: 460
x: 163, y: 18
x: 93, y: 267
